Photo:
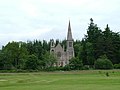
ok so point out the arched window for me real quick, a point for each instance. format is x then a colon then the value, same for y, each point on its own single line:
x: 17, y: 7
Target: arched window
x: 52, y: 50
x: 70, y: 44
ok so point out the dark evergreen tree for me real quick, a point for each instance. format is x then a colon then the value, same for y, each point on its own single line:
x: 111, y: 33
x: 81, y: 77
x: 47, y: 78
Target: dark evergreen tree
x: 94, y: 34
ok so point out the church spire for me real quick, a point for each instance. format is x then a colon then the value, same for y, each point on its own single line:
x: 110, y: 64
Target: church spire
x: 69, y: 34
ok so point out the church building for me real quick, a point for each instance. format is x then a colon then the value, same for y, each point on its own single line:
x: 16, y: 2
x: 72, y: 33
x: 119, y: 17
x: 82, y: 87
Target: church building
x: 63, y: 56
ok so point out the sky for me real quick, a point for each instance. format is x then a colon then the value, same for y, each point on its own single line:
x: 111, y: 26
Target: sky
x: 22, y: 20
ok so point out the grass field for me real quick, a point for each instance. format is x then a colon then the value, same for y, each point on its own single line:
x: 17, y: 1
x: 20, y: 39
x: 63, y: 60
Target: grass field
x: 72, y: 80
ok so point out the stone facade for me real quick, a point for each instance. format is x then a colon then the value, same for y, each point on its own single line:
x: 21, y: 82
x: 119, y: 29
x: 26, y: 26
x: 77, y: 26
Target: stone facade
x: 62, y: 55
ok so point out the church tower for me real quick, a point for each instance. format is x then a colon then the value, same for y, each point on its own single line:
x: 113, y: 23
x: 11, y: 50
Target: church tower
x: 70, y: 49
x: 58, y: 51
x: 52, y: 46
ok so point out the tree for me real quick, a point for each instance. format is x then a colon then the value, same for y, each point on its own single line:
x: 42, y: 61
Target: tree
x: 90, y: 54
x: 77, y: 47
x: 13, y: 55
x: 109, y: 44
x: 93, y: 35
x: 75, y: 63
x: 48, y: 60
x: 83, y: 54
x: 116, y: 50
x: 103, y: 63
x: 45, y: 46
x: 5, y: 61
x: 93, y: 32
x: 22, y: 54
x: 32, y: 62
x: 117, y: 66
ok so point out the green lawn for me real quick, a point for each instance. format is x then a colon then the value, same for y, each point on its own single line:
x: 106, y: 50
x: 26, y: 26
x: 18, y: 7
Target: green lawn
x: 73, y: 80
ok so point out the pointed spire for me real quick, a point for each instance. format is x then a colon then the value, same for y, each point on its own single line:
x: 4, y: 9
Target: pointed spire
x: 69, y: 34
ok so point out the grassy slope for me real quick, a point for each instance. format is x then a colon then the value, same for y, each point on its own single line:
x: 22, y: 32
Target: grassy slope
x: 73, y: 80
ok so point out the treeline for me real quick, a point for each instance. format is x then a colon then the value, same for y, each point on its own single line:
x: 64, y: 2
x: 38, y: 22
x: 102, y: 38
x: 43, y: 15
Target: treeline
x: 99, y: 49
x: 26, y: 56
x: 98, y: 44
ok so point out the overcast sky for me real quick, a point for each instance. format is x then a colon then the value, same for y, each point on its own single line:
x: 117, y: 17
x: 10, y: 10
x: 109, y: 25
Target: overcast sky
x: 22, y: 20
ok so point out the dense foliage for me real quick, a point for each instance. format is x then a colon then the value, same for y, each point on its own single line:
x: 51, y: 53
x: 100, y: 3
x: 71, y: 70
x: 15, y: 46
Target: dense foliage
x: 30, y: 56
x: 31, y: 62
x: 103, y: 63
x: 35, y: 54
x: 75, y: 63
x: 97, y: 43
x: 117, y: 66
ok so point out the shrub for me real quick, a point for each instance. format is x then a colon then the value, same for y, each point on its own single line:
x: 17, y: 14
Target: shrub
x: 117, y: 66
x: 51, y: 69
x: 86, y: 67
x: 66, y: 68
x: 75, y: 64
x: 103, y: 63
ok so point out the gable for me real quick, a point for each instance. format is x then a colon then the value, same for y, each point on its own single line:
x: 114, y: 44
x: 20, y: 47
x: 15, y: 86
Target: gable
x: 59, y: 48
